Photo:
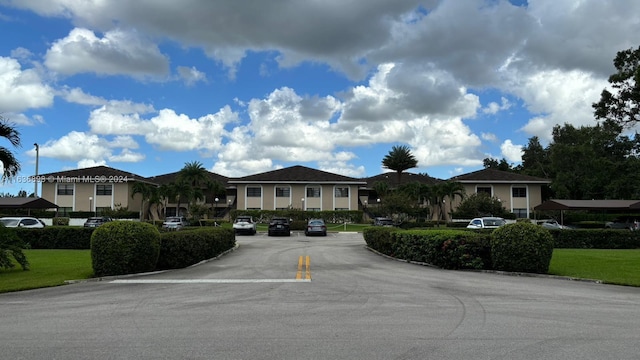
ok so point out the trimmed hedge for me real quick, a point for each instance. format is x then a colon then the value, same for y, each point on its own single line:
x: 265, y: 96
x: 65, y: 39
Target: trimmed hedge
x: 56, y: 237
x: 448, y: 249
x: 124, y: 247
x: 179, y: 249
x: 521, y: 247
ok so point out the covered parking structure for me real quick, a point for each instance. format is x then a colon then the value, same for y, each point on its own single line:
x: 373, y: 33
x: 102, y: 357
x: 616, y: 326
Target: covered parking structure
x: 26, y: 203
x: 592, y: 205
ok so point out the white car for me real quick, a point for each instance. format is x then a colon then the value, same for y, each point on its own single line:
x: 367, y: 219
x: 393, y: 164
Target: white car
x: 245, y: 224
x: 174, y: 223
x: 23, y: 222
x: 552, y: 224
x: 486, y: 223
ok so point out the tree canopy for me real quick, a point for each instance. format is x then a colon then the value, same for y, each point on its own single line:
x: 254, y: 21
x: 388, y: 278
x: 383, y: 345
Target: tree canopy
x: 399, y: 159
x: 622, y: 105
x: 11, y: 166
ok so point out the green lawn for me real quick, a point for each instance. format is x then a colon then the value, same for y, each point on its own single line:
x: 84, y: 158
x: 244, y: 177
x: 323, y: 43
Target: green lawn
x: 47, y: 268
x: 620, y: 267
x: 53, y: 267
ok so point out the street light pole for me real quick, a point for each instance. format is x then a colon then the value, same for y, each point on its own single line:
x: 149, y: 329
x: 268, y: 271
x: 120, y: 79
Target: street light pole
x: 35, y: 179
x: 91, y: 204
x: 302, y: 204
x: 216, y: 207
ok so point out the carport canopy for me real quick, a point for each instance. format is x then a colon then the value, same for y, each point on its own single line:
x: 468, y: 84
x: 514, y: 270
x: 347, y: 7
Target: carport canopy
x: 619, y: 205
x: 26, y: 203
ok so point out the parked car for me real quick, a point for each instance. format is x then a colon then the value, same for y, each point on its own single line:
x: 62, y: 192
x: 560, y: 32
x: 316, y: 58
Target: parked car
x: 486, y: 223
x: 316, y: 227
x: 174, y: 223
x: 96, y: 221
x: 553, y: 224
x: 279, y: 226
x: 383, y: 221
x: 623, y: 222
x: 23, y: 222
x: 245, y: 224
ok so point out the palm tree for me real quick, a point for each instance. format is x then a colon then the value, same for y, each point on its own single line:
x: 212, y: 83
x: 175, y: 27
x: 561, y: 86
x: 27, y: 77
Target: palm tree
x: 194, y: 174
x: 10, y: 165
x: 215, y: 189
x: 451, y: 189
x: 181, y: 191
x: 144, y: 189
x: 399, y: 159
x: 436, y: 197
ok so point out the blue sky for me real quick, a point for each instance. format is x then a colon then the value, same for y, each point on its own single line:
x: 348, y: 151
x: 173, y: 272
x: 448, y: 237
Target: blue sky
x: 146, y: 86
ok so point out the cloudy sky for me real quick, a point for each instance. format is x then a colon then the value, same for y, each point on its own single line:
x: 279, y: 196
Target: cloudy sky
x: 250, y: 86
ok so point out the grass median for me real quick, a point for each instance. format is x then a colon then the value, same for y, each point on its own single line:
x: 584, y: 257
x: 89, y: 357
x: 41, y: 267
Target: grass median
x: 53, y: 267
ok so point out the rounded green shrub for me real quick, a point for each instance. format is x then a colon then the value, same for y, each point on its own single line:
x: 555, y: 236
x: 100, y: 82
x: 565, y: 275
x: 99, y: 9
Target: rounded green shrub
x: 521, y: 247
x: 124, y: 247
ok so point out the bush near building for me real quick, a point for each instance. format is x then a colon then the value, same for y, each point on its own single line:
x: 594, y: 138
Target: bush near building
x: 124, y: 247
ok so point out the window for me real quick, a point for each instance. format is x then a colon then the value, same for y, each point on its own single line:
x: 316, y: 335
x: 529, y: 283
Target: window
x: 65, y: 189
x: 283, y: 192
x: 312, y: 209
x: 64, y: 211
x: 104, y: 189
x: 484, y: 190
x: 313, y: 192
x: 520, y: 213
x: 340, y: 209
x: 519, y: 192
x: 254, y: 192
x: 342, y: 192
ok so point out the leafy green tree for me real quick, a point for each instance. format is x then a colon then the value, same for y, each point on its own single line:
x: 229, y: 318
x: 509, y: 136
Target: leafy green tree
x: 10, y: 164
x: 502, y: 164
x: 623, y: 105
x: 535, y: 159
x: 480, y: 204
x: 194, y: 174
x: 399, y: 159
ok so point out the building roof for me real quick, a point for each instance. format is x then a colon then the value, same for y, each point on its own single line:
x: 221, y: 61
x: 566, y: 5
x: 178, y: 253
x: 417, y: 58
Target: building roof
x: 297, y: 174
x: 498, y: 176
x: 556, y: 204
x: 405, y: 178
x: 26, y: 203
x: 171, y: 177
x: 97, y: 173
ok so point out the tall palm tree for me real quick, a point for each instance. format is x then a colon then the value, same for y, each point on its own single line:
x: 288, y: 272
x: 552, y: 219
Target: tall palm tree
x: 10, y: 165
x: 182, y: 191
x: 451, y: 189
x: 436, y: 197
x: 194, y: 174
x: 144, y: 189
x: 399, y: 159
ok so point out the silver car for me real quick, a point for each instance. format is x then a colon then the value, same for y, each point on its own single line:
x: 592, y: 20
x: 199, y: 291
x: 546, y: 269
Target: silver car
x: 486, y: 223
x: 174, y: 223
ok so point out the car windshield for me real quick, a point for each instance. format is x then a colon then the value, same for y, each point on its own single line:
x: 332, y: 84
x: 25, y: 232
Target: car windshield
x: 386, y: 221
x: 244, y: 219
x: 94, y: 220
x: 9, y: 222
x: 316, y: 222
x: 173, y: 219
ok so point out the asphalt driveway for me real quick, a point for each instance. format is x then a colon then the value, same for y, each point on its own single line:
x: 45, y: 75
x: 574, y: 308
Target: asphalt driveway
x: 321, y: 298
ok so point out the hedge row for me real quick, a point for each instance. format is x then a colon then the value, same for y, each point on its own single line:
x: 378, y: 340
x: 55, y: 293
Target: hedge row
x: 596, y: 239
x: 56, y: 237
x: 515, y: 247
x: 448, y: 249
x: 182, y: 248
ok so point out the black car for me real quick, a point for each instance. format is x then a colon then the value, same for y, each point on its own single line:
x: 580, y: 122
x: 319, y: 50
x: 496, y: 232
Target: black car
x: 279, y: 226
x: 96, y: 221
